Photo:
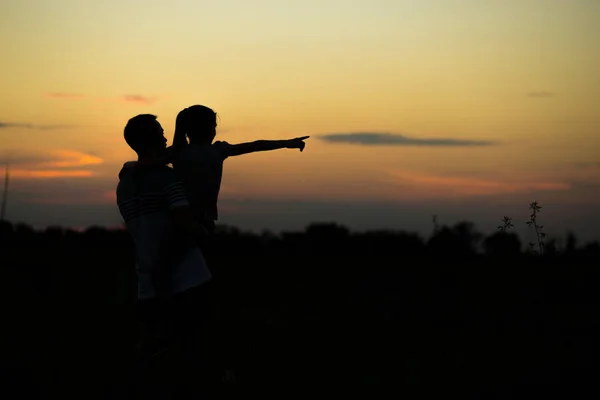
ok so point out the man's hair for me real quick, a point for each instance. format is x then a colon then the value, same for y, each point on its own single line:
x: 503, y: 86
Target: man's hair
x: 136, y: 131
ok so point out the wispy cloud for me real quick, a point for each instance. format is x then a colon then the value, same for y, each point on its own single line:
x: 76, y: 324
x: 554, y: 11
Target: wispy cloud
x: 541, y: 94
x: 592, y: 164
x: 136, y: 98
x: 128, y: 98
x: 63, y: 95
x: 453, y: 186
x: 49, y: 173
x: 391, y: 139
x: 70, y: 159
x: 27, y: 125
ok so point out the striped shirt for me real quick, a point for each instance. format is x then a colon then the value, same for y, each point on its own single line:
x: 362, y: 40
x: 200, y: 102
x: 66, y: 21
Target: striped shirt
x: 145, y: 194
x: 134, y: 205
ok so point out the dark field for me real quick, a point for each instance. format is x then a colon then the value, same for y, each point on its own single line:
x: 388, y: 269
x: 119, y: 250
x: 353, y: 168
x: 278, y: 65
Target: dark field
x: 322, y: 311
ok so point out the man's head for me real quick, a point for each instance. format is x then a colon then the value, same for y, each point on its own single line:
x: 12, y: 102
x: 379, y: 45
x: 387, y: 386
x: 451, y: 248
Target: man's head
x: 199, y: 123
x: 144, y: 134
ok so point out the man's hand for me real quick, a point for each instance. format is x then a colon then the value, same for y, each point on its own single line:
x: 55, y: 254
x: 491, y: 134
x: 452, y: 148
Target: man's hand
x: 297, y: 143
x: 184, y: 219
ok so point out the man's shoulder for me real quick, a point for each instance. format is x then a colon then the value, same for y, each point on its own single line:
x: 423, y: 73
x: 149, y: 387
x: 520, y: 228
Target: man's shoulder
x: 134, y: 173
x: 127, y: 170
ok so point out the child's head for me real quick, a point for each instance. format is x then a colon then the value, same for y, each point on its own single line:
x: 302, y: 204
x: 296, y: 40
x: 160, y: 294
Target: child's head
x: 198, y: 122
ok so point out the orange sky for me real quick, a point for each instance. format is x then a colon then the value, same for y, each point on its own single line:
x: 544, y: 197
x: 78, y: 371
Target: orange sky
x: 519, y: 74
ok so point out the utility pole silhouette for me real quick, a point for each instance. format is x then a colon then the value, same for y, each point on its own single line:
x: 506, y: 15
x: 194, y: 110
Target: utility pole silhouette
x: 5, y: 194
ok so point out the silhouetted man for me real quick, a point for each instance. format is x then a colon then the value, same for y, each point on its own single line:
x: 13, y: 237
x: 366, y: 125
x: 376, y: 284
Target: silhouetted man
x: 171, y: 270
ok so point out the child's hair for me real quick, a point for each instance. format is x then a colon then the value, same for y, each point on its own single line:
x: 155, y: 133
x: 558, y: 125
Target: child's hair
x: 195, y: 122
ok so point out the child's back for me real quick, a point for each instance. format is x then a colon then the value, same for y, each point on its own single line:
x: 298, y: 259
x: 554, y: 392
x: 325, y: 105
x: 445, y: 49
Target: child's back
x: 200, y: 167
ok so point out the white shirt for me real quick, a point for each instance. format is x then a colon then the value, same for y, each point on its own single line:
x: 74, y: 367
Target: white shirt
x: 145, y: 194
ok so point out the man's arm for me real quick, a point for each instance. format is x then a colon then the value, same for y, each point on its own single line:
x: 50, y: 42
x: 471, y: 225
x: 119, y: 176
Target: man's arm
x: 181, y: 212
x: 266, y: 145
x: 184, y: 220
x: 169, y: 154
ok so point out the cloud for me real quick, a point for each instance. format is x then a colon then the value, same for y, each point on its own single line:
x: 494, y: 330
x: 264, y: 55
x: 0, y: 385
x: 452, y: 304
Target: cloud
x: 583, y: 184
x: 592, y: 164
x: 391, y: 139
x: 54, y: 164
x: 46, y: 174
x: 128, y: 98
x: 27, y: 125
x: 541, y: 94
x: 136, y: 98
x: 69, y: 159
x: 63, y: 95
x: 456, y: 186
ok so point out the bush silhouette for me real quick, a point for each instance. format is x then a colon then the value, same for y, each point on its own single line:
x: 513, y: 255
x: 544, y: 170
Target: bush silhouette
x: 459, y: 241
x: 502, y: 245
x: 337, y: 301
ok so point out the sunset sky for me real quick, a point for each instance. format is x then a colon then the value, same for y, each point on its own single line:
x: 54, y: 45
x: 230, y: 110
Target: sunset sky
x: 467, y: 109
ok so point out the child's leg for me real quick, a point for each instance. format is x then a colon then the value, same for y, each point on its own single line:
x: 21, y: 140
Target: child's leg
x: 192, y: 316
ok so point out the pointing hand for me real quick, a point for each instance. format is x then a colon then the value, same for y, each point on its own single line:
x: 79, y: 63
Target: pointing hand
x: 297, y: 143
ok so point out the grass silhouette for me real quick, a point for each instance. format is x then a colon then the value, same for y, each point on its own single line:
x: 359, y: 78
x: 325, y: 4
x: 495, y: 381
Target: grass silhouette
x: 538, y: 229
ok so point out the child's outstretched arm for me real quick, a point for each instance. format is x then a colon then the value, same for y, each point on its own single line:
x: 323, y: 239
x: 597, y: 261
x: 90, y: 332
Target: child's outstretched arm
x: 267, y: 145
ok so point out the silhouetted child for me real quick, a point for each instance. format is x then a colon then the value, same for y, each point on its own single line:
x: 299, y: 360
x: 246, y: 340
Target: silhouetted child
x: 199, y: 164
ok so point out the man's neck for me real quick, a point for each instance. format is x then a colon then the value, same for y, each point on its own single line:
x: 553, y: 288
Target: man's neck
x: 150, y: 159
x: 200, y: 142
